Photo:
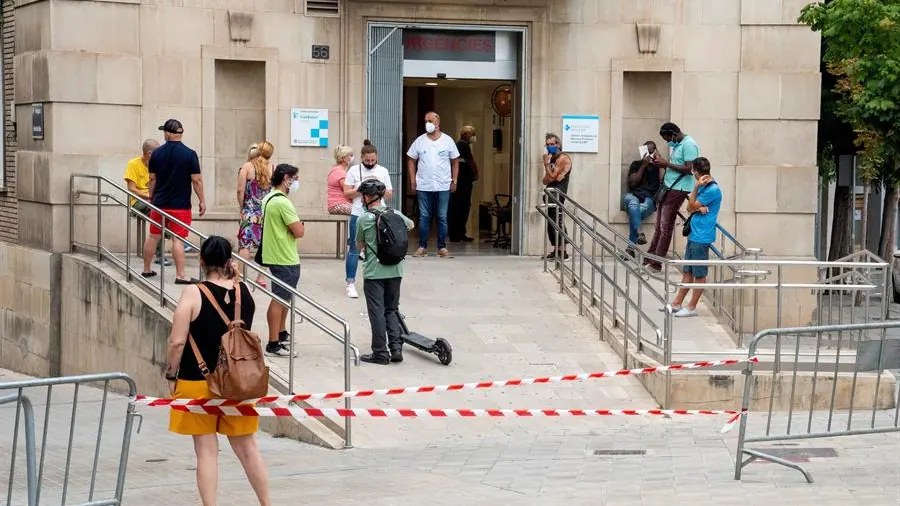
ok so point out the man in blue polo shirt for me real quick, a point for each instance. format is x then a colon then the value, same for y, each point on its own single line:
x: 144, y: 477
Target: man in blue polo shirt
x: 678, y: 183
x: 704, y: 203
x: 174, y: 169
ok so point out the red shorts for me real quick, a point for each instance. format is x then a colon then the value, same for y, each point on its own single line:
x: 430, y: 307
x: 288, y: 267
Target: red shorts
x: 182, y: 215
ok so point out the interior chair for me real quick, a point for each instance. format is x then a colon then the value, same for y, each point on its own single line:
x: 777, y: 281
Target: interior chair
x: 502, y: 209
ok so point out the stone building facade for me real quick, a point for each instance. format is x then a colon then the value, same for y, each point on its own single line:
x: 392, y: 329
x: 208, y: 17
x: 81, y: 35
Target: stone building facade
x: 739, y: 75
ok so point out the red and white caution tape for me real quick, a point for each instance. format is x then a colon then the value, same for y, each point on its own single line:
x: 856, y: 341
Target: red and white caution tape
x: 244, y: 410
x: 155, y: 401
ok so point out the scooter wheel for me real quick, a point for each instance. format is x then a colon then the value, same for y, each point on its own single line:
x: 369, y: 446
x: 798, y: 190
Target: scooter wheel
x: 443, y: 351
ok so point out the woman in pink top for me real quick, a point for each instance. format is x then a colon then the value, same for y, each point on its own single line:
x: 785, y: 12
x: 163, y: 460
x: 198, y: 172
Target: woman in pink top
x: 337, y: 202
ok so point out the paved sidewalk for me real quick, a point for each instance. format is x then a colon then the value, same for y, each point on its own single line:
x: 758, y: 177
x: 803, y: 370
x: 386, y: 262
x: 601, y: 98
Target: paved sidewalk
x: 504, y: 319
x: 686, y: 462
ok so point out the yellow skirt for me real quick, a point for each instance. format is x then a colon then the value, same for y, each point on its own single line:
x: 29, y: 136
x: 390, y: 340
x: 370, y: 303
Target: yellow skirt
x: 196, y: 424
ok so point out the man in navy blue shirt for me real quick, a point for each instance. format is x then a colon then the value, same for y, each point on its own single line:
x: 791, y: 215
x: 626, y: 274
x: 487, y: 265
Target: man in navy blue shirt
x: 174, y: 170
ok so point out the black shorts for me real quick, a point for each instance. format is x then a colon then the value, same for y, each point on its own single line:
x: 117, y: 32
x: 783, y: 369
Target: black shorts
x: 287, y: 274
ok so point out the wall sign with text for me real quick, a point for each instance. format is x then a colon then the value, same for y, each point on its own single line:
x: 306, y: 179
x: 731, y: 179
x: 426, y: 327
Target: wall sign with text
x: 449, y: 46
x: 309, y: 127
x: 581, y: 133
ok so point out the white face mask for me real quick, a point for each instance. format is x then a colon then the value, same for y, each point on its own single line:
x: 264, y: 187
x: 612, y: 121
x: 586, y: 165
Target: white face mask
x: 429, y: 127
x: 351, y: 160
x: 295, y: 185
x: 473, y: 139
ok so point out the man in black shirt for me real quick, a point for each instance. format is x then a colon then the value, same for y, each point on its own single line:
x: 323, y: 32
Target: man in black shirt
x: 643, y: 182
x: 174, y: 170
x: 461, y: 199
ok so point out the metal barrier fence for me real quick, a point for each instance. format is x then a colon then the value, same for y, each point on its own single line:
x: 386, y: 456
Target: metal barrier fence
x: 121, y: 197
x: 606, y: 271
x: 817, y: 406
x: 48, y: 475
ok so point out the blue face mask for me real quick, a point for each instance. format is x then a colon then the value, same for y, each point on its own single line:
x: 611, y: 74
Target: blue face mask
x: 553, y: 149
x: 672, y: 144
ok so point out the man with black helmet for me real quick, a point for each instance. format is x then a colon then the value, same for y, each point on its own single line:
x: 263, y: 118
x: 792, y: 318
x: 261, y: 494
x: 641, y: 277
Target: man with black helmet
x: 380, y: 233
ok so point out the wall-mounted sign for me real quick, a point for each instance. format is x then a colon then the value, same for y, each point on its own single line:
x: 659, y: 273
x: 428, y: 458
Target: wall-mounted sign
x: 321, y: 52
x: 37, y: 121
x: 581, y: 133
x: 309, y: 127
x: 449, y: 46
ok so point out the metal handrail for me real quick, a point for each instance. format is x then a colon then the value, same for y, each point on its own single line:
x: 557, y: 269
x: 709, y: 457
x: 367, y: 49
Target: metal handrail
x: 588, y: 226
x: 102, y: 252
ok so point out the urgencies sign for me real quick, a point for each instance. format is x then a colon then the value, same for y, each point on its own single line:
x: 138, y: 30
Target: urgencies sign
x: 449, y: 46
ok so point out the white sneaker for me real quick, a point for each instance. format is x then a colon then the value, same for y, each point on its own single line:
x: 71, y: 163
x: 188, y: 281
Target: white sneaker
x: 351, y: 291
x: 685, y: 313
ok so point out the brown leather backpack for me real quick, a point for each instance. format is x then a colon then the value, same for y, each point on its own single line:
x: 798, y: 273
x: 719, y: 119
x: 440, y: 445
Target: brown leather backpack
x: 241, y: 371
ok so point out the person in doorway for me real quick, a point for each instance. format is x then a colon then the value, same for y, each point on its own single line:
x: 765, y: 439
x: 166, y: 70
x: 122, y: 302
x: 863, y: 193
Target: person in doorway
x: 557, y: 168
x: 678, y: 183
x: 281, y: 229
x: 382, y: 282
x: 704, y: 203
x: 433, y: 168
x: 356, y: 175
x: 253, y: 183
x: 643, y: 183
x: 196, y: 316
x: 461, y: 199
x: 137, y: 179
x: 174, y: 169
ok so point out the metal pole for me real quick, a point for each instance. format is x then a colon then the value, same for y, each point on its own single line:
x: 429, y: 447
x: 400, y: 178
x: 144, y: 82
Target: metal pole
x: 580, y: 271
x: 291, y: 354
x: 128, y: 239
x: 162, y: 265
x: 72, y: 213
x: 348, y: 440
x: 593, y: 263
x: 99, y: 221
x: 667, y: 355
x: 778, y: 323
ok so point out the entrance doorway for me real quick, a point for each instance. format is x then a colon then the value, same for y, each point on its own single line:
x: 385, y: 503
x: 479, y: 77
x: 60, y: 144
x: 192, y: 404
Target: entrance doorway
x: 485, y: 105
x: 469, y: 75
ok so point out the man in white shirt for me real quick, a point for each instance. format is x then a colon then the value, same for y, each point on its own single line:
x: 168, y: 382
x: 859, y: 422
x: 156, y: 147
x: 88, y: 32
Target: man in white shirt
x: 433, y: 167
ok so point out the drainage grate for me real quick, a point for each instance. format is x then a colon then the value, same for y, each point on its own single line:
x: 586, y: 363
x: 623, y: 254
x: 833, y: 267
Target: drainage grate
x: 620, y: 452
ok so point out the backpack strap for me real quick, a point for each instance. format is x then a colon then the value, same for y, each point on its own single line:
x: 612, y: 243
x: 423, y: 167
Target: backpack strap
x: 204, y: 369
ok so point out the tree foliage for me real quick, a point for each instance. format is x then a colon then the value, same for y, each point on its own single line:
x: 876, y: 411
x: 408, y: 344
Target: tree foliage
x: 862, y: 50
x: 861, y: 41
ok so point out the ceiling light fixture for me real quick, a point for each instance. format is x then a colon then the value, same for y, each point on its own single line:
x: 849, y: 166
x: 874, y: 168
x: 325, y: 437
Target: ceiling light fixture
x: 431, y: 84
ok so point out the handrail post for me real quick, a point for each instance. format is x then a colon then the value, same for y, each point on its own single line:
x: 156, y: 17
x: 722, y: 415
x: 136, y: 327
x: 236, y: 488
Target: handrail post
x: 72, y: 213
x: 291, y: 351
x: 162, y: 264
x: 580, y: 271
x: 99, y: 220
x: 348, y: 440
x: 128, y: 239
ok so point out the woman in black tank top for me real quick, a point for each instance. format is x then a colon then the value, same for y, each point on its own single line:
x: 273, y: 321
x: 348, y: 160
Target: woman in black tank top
x: 197, y: 319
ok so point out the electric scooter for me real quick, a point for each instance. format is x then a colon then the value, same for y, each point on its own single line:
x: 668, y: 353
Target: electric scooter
x: 439, y: 347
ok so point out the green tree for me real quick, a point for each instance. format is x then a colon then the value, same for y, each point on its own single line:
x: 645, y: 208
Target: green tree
x: 861, y: 40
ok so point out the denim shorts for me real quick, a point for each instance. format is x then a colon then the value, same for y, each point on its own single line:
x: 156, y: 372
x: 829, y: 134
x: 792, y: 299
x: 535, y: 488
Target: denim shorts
x: 287, y: 274
x: 696, y: 251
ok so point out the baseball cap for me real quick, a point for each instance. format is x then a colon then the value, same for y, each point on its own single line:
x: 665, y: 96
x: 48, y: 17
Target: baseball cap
x: 173, y: 126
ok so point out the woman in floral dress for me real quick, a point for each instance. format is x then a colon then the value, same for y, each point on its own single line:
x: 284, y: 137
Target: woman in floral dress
x: 254, y: 183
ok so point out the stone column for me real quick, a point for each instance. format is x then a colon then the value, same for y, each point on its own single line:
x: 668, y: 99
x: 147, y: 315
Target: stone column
x: 89, y: 81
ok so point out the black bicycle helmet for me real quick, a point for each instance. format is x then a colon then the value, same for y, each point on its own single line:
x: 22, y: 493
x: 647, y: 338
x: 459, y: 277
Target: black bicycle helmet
x: 372, y: 188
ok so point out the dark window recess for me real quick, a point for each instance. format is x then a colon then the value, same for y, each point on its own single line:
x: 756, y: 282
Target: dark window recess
x: 323, y: 7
